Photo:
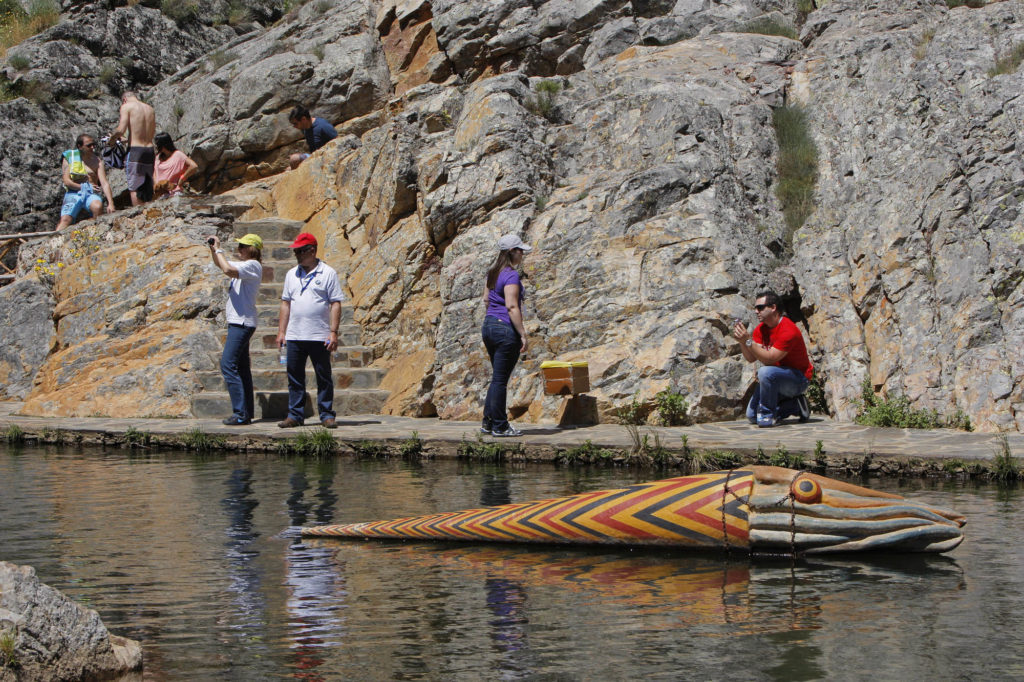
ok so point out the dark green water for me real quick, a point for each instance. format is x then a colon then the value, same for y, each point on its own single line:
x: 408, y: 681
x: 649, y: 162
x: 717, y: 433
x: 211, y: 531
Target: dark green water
x: 198, y: 558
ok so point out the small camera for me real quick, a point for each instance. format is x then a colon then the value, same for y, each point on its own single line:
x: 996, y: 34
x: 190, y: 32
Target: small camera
x: 210, y: 241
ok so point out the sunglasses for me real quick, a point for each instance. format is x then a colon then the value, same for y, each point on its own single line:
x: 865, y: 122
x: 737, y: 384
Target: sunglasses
x: 760, y: 306
x: 91, y: 145
x: 304, y: 249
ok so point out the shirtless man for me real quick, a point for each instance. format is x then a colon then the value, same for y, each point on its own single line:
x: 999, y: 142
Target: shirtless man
x: 81, y: 173
x: 138, y: 122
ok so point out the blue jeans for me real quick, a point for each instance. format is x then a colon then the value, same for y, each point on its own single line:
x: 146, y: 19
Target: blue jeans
x: 235, y: 368
x: 503, y: 343
x: 317, y: 352
x: 774, y: 383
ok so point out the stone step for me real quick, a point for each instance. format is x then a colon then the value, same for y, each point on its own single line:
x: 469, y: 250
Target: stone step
x: 344, y: 356
x: 273, y: 405
x: 276, y: 378
x: 270, y: 229
x: 266, y: 336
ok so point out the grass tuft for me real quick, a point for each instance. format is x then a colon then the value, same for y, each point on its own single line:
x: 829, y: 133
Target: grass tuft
x: 8, y: 650
x: 797, y: 168
x: 412, y: 447
x: 318, y: 443
x: 370, y: 449
x: 14, y: 434
x: 487, y: 451
x: 633, y: 413
x: 134, y: 438
x: 1005, y: 467
x: 585, y: 453
x: 196, y: 439
x: 1008, y: 63
x: 769, y: 27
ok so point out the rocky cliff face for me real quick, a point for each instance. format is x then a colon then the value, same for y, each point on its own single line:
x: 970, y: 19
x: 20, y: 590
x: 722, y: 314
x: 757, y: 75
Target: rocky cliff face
x: 632, y: 143
x: 912, y: 264
x: 71, y: 76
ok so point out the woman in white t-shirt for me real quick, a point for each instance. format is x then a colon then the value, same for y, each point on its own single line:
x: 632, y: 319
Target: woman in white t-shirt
x: 240, y: 311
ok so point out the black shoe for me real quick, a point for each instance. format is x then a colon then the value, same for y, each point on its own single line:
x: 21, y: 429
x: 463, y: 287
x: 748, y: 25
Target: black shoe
x: 804, y: 408
x: 235, y: 421
x: 485, y: 427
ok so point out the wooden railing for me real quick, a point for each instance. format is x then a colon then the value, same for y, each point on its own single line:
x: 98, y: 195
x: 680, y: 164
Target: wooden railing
x: 9, y: 241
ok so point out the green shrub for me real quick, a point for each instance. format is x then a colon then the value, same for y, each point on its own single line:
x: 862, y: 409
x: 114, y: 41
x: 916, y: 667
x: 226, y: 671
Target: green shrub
x: 769, y: 27
x: 14, y: 434
x: 1005, y: 467
x: 953, y: 466
x: 1008, y: 63
x: 134, y: 438
x: 412, y: 447
x: 816, y: 395
x: 196, y: 439
x: 17, y: 24
x: 543, y: 101
x: 55, y: 436
x: 696, y: 461
x: 819, y: 453
x: 486, y: 451
x: 782, y: 457
x: 634, y: 413
x: 8, y: 649
x: 672, y: 408
x: 7, y: 91
x: 370, y: 449
x: 108, y: 72
x: 876, y: 411
x: 19, y: 62
x: 585, y: 453
x: 797, y: 167
x: 181, y: 11
x: 973, y: 4
x: 316, y: 443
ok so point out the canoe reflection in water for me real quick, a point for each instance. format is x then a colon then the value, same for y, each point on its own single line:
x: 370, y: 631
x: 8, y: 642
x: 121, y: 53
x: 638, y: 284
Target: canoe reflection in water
x: 667, y: 589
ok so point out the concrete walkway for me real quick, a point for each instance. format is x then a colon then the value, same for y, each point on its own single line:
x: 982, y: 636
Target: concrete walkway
x: 542, y: 441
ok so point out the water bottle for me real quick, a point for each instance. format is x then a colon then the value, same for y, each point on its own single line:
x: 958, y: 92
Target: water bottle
x: 282, y: 354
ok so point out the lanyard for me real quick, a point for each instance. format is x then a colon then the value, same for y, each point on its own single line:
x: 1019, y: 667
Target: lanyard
x: 307, y: 280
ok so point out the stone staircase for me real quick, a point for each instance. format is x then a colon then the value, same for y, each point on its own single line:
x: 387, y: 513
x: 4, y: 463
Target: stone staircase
x: 355, y: 383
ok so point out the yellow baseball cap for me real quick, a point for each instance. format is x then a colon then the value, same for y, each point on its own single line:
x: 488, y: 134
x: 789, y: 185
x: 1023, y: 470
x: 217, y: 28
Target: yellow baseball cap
x: 251, y: 240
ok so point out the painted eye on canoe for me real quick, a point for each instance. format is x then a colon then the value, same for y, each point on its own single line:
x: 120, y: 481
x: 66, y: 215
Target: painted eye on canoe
x: 806, y: 490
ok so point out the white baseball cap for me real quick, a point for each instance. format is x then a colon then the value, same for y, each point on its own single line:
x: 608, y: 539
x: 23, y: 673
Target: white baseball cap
x: 512, y: 241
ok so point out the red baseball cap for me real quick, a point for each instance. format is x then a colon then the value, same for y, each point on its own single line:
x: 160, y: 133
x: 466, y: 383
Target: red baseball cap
x: 304, y: 239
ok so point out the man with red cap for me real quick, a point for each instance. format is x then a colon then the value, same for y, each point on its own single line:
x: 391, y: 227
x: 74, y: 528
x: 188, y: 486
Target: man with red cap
x: 308, y: 323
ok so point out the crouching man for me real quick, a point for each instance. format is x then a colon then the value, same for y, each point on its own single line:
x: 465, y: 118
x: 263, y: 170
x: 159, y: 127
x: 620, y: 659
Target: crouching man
x: 781, y: 383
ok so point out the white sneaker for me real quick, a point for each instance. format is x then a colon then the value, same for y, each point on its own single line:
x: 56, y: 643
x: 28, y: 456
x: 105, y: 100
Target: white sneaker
x: 804, y: 407
x: 510, y: 432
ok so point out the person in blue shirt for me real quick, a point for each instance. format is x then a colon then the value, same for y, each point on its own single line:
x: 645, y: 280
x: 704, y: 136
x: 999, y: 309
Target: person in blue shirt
x: 318, y: 132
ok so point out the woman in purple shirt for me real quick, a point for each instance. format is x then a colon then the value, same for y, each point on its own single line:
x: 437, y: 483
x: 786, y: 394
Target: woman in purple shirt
x: 503, y: 331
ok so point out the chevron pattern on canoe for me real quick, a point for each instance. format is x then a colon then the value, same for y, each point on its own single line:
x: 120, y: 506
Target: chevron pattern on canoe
x: 690, y: 511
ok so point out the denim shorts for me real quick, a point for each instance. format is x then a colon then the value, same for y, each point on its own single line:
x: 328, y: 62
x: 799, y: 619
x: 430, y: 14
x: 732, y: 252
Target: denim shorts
x: 74, y: 204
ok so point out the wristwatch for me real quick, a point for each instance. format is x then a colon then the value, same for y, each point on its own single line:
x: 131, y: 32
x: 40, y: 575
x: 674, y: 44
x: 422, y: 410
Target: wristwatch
x: 222, y: 251
x: 750, y: 342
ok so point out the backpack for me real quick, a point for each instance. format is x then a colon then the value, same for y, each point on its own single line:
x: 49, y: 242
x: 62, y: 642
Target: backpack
x: 113, y: 155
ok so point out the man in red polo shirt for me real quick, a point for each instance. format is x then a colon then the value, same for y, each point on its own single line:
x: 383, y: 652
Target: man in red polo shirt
x: 777, y: 343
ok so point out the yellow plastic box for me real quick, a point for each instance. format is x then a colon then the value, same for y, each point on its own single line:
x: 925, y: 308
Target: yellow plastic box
x: 565, y: 378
